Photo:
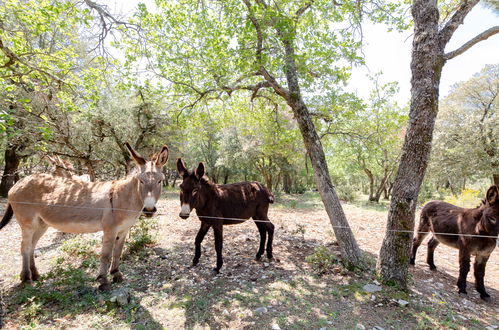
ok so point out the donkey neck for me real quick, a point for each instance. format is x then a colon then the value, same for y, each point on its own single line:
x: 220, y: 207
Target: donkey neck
x: 125, y: 194
x: 477, y: 215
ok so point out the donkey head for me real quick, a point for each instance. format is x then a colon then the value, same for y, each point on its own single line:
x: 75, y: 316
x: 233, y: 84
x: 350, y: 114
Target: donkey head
x: 191, y: 195
x: 490, y: 216
x: 149, y: 176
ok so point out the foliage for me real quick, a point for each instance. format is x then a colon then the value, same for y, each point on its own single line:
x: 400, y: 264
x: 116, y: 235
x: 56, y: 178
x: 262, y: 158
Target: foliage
x: 467, y: 127
x: 142, y: 234
x: 467, y: 198
x: 322, y: 260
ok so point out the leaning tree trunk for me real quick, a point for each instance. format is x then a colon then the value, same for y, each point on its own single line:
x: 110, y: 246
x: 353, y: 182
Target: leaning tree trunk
x: 10, y: 173
x: 348, y: 245
x: 427, y: 62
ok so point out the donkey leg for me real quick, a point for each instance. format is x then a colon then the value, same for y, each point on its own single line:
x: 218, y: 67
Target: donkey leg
x: 108, y: 240
x: 197, y: 243
x: 432, y: 245
x: 42, y: 228
x: 117, y: 250
x: 420, y: 236
x: 263, y: 238
x: 270, y: 230
x: 26, y: 252
x: 479, y: 270
x: 219, y: 241
x: 464, y: 268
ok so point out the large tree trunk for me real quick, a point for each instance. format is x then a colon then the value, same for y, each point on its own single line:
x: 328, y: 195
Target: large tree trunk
x: 10, y: 173
x: 426, y: 65
x: 496, y: 179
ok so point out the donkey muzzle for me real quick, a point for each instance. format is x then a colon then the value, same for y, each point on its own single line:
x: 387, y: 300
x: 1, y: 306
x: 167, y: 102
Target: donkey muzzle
x: 149, y: 212
x: 185, y: 211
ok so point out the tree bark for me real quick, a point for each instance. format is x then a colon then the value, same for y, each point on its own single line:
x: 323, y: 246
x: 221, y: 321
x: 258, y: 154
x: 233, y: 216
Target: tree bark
x: 348, y: 245
x: 10, y: 173
x: 426, y: 66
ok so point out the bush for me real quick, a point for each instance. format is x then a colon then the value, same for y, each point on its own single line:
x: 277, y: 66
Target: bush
x: 467, y: 198
x: 142, y: 234
x: 322, y: 260
x: 346, y: 193
x: 80, y: 246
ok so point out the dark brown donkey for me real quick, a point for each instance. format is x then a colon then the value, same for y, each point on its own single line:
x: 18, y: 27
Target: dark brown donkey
x: 219, y: 205
x: 450, y: 225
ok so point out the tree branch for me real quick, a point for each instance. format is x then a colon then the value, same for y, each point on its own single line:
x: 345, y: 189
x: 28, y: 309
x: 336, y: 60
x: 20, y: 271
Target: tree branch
x: 445, y: 34
x: 481, y: 37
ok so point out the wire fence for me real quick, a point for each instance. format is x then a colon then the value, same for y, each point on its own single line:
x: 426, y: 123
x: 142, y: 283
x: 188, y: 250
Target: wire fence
x: 88, y: 207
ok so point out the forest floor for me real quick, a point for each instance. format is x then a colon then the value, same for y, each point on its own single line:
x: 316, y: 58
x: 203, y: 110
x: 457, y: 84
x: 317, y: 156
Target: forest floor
x: 161, y: 290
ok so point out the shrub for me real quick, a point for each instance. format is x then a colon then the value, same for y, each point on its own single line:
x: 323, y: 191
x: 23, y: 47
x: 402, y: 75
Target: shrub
x: 142, y: 234
x: 79, y: 246
x: 346, y: 193
x: 322, y: 260
x: 467, y: 198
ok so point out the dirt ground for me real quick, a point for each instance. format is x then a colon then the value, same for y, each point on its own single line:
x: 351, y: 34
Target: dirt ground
x: 165, y: 292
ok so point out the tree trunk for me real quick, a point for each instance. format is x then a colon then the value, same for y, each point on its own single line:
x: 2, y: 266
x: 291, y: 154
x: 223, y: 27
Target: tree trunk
x: 426, y: 66
x: 371, y: 183
x: 496, y: 179
x: 286, y: 183
x: 10, y: 173
x: 350, y: 251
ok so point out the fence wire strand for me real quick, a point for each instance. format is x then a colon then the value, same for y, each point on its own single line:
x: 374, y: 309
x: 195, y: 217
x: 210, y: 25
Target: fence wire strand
x: 244, y: 220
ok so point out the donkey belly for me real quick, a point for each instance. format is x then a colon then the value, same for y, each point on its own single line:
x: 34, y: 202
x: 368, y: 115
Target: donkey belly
x: 449, y: 240
x: 73, y: 222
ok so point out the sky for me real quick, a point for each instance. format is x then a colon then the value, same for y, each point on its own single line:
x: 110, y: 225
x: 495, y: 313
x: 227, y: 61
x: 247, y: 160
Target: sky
x: 390, y: 52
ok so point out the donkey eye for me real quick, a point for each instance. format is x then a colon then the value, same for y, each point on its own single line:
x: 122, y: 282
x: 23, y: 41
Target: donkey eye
x: 492, y: 221
x: 159, y: 182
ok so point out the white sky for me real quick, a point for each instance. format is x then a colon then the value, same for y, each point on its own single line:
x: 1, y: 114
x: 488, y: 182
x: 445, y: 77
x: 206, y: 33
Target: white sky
x: 390, y: 52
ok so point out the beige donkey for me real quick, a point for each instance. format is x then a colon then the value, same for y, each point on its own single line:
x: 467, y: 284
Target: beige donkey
x: 65, y: 169
x: 74, y: 206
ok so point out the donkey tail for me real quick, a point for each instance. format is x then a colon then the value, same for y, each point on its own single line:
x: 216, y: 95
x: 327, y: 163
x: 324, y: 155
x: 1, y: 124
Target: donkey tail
x: 271, y: 198
x: 7, y: 216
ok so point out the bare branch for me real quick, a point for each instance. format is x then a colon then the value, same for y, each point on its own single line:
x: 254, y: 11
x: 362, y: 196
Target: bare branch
x: 445, y: 34
x: 481, y: 37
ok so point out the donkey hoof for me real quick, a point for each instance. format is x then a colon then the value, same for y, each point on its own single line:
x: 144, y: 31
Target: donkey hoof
x: 25, y: 283
x: 105, y: 287
x: 258, y: 258
x: 485, y: 296
x: 118, y: 278
x: 433, y: 267
x: 215, y: 271
x: 463, y: 293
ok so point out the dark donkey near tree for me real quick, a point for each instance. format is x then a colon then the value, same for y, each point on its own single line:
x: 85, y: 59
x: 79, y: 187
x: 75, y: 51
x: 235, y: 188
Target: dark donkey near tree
x: 440, y: 217
x: 75, y: 206
x: 228, y: 204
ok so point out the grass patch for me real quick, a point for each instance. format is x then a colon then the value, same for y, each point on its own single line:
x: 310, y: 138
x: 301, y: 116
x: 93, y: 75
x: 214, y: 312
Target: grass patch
x: 322, y: 260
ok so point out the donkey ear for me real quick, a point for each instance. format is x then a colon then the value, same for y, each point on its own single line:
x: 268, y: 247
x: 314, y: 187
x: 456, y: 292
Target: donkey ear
x: 162, y: 157
x: 200, y: 170
x: 136, y: 157
x: 492, y: 195
x: 182, y: 170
